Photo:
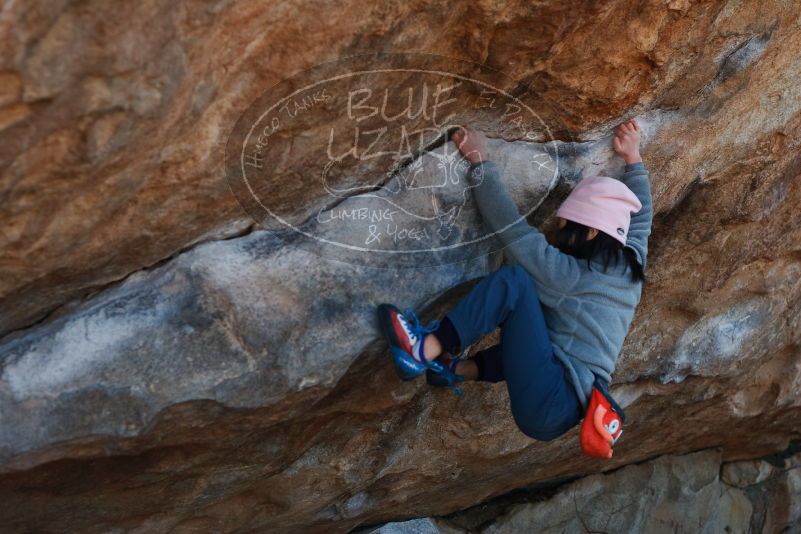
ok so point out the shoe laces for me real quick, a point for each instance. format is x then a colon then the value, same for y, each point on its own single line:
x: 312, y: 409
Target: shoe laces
x: 453, y: 361
x: 415, y: 326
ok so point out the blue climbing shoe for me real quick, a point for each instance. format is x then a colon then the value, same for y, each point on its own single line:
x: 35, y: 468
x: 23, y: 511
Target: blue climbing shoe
x: 405, y: 334
x: 449, y: 377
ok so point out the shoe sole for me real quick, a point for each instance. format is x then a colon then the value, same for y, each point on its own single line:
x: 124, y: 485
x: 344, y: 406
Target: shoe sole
x: 406, y: 370
x: 405, y: 366
x: 385, y: 319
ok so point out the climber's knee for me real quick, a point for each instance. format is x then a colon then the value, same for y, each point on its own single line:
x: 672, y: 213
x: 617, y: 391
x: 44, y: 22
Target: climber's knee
x: 527, y: 421
x: 543, y: 435
x: 516, y: 277
x: 522, y: 277
x: 512, y: 272
x: 516, y: 274
x: 521, y: 281
x: 538, y: 434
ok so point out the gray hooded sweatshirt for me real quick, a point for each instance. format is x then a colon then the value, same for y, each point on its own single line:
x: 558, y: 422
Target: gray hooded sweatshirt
x: 587, y: 312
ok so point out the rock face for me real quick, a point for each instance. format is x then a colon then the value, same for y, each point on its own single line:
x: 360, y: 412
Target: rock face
x: 670, y: 494
x: 689, y: 493
x: 167, y: 363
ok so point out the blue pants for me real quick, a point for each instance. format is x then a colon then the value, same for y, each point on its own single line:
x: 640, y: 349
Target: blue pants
x: 543, y: 402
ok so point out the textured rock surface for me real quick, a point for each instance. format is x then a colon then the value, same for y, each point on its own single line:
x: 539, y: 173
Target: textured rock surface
x: 240, y: 383
x: 689, y: 493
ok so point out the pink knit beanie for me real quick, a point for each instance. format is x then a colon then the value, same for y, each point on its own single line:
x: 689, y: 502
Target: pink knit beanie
x: 602, y: 203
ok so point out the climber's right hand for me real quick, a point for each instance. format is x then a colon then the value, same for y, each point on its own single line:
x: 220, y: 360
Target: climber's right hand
x: 471, y: 143
x: 627, y: 141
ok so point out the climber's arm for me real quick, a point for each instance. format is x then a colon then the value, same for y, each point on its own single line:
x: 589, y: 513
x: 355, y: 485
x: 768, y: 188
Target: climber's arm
x: 525, y: 244
x: 637, y: 179
x: 626, y: 143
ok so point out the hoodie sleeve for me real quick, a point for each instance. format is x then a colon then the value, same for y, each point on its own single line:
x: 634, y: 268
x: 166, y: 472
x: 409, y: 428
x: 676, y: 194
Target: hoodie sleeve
x: 637, y: 179
x: 522, y: 242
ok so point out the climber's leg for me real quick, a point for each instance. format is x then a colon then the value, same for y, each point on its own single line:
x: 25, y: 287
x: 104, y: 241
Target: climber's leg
x: 485, y: 307
x: 539, y: 395
x: 468, y: 369
x: 543, y: 402
x: 489, y: 363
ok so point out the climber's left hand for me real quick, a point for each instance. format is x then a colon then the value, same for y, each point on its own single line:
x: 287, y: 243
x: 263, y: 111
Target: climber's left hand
x: 472, y: 144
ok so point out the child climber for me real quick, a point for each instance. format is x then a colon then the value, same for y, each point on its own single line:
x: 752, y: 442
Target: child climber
x: 563, y: 308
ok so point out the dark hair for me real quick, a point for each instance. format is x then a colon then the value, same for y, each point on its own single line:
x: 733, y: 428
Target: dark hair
x: 572, y: 239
